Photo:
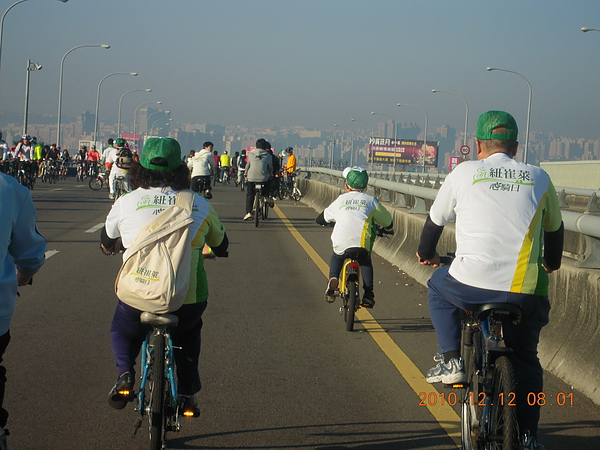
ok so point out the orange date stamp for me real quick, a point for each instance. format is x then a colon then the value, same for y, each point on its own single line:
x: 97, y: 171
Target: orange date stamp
x: 502, y: 399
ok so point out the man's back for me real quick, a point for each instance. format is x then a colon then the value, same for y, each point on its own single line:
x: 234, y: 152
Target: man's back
x: 501, y: 207
x: 259, y: 166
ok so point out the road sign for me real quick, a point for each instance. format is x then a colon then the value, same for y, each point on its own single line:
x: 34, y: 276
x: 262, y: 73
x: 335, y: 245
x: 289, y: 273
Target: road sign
x: 465, y: 150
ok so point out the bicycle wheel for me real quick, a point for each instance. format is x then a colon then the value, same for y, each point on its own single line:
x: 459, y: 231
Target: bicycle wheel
x: 296, y: 194
x: 157, y: 413
x: 472, y: 406
x: 265, y: 209
x: 256, y: 208
x: 503, y: 428
x: 282, y: 189
x: 96, y: 184
x: 352, y: 290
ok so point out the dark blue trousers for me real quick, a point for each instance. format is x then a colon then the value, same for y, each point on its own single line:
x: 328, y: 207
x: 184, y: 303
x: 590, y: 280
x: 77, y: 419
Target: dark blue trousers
x: 127, y: 335
x: 447, y: 297
x: 336, y: 263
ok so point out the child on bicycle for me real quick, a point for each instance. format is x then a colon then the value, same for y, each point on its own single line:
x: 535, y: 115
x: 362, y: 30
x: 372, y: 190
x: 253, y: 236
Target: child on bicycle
x: 355, y: 214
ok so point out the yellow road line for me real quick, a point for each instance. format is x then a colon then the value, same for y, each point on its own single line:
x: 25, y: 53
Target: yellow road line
x: 443, y: 414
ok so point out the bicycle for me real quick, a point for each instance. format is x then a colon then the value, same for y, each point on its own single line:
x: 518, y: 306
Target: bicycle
x: 80, y: 172
x: 98, y: 181
x: 157, y: 397
x: 261, y: 208
x: 488, y: 405
x: 350, y: 281
x: 243, y: 183
x: 120, y: 187
x: 289, y: 188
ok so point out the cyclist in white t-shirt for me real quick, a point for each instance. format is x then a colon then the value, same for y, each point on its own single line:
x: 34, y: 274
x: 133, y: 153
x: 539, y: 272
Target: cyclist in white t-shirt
x: 355, y: 214
x: 504, y: 211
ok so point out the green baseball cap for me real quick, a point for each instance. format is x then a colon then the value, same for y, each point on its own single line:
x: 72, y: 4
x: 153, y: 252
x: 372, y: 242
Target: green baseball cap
x: 356, y: 177
x: 494, y: 119
x: 166, y: 148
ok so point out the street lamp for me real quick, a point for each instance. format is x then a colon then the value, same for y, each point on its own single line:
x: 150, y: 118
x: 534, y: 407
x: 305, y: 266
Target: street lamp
x: 60, y: 83
x: 133, y: 74
x: 165, y: 122
x: 135, y: 116
x: 424, y: 148
x: 528, y: 108
x: 368, y: 123
x: 120, y: 104
x: 4, y: 15
x: 586, y: 29
x: 31, y: 66
x: 395, y: 135
x: 466, y: 110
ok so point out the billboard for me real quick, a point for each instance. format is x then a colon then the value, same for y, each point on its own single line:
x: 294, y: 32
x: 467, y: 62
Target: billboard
x: 407, y: 151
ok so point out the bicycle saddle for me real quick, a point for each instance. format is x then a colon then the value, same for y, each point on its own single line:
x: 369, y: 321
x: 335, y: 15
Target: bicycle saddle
x: 159, y: 320
x: 501, y: 311
x: 355, y: 252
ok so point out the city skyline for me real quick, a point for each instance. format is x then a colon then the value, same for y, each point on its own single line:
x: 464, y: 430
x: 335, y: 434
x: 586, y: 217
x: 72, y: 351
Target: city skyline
x: 310, y: 63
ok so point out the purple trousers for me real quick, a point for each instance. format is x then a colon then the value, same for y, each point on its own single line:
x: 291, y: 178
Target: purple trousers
x: 127, y: 335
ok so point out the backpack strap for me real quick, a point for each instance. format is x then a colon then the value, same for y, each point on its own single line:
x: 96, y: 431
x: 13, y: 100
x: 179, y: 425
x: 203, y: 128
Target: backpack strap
x: 185, y: 199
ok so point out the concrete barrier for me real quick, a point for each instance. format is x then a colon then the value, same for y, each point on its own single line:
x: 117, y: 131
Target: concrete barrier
x: 569, y: 343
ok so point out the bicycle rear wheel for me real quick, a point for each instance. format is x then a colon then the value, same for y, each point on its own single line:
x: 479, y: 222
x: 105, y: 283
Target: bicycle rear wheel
x: 503, y: 428
x: 157, y: 409
x: 256, y: 208
x: 352, y: 290
x: 471, y: 409
x: 265, y: 209
x: 96, y: 184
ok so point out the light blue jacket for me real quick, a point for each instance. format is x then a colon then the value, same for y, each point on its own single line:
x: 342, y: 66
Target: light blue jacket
x: 22, y: 247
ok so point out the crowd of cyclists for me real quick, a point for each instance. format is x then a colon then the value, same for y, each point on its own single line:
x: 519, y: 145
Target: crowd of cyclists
x: 207, y: 169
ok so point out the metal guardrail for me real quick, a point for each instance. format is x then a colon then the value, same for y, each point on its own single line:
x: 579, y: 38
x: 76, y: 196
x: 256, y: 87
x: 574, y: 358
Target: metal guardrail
x: 421, y: 188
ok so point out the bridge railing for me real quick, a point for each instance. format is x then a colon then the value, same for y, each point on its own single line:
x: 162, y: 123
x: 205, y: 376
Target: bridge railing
x: 416, y: 192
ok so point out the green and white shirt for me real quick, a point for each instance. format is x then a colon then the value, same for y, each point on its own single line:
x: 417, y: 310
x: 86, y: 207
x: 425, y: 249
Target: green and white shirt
x: 354, y: 214
x: 133, y: 210
x: 501, y: 208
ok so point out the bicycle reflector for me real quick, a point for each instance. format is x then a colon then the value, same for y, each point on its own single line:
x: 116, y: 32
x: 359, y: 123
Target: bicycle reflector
x: 354, y: 265
x: 190, y: 413
x: 124, y: 392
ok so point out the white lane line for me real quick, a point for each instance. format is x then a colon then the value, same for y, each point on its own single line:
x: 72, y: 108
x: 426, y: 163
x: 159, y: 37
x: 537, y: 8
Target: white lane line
x: 50, y: 253
x: 57, y: 189
x: 95, y: 228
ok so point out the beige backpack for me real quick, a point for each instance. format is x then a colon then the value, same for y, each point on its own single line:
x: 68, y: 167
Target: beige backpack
x: 155, y: 275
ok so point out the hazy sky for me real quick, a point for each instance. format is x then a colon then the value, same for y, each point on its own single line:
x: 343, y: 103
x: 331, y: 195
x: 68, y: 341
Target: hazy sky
x: 311, y: 62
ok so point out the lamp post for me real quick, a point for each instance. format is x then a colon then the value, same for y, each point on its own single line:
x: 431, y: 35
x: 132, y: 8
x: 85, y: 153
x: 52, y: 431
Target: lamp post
x: 120, y: 105
x: 466, y: 110
x: 133, y: 74
x: 165, y: 122
x: 60, y: 83
x: 135, y: 116
x: 395, y: 135
x: 363, y: 121
x: 424, y: 148
x: 30, y: 67
x: 528, y: 108
x: 586, y: 29
x: 2, y: 21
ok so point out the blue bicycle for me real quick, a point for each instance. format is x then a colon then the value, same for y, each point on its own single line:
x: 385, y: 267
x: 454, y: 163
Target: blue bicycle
x: 158, y: 398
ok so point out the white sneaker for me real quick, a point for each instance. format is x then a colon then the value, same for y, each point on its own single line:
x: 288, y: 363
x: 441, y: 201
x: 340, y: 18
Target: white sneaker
x: 530, y: 442
x: 331, y: 291
x: 270, y: 202
x: 451, y: 372
x: 111, y: 196
x: 248, y: 216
